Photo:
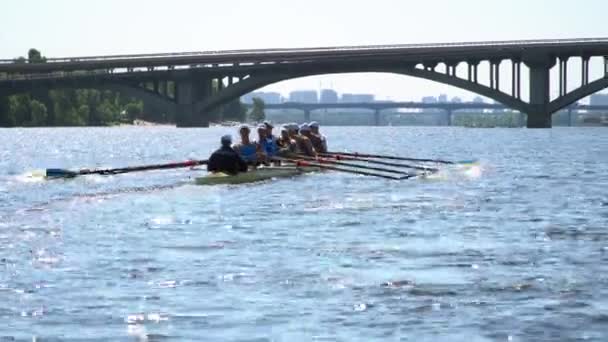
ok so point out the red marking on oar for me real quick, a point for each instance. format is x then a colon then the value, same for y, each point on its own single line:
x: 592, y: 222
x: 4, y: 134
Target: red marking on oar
x: 302, y: 163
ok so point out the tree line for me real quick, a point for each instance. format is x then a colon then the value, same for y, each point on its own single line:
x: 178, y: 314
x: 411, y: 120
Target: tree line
x: 94, y: 107
x: 65, y: 107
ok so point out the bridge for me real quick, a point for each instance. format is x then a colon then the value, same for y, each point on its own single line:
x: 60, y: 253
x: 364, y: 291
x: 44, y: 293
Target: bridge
x: 377, y: 107
x: 194, y: 84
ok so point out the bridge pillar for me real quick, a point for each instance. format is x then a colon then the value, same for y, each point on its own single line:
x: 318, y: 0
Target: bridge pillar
x: 306, y: 115
x: 538, y: 114
x: 377, y: 118
x: 164, y: 88
x: 448, y: 117
x: 570, y: 117
x: 188, y: 93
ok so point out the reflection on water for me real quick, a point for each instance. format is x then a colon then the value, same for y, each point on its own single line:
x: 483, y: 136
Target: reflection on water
x: 513, y: 247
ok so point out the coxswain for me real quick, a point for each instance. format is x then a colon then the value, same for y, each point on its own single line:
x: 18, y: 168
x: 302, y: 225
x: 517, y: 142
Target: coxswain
x: 247, y: 149
x: 226, y: 159
x: 319, y: 142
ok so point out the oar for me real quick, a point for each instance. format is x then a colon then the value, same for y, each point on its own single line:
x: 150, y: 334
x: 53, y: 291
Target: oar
x: 301, y: 163
x: 62, y: 173
x: 363, y: 155
x: 328, y: 161
x: 372, y: 161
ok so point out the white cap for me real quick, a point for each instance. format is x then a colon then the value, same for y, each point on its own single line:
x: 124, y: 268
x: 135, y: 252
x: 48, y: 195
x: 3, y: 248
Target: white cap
x: 262, y: 126
x: 244, y: 127
x: 304, y: 127
x: 314, y: 124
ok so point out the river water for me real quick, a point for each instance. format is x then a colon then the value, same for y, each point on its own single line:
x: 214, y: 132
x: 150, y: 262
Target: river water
x: 513, y: 249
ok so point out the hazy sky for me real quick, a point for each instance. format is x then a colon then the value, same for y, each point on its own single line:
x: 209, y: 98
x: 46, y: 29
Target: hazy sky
x: 79, y: 27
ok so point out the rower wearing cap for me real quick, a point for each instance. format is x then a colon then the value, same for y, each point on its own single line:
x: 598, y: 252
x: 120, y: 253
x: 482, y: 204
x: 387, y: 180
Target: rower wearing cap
x: 269, y: 128
x: 269, y: 144
x: 318, y: 140
x: 303, y: 144
x: 225, y: 159
x: 247, y: 149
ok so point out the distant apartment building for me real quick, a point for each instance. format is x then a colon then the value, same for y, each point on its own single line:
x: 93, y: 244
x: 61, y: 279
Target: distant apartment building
x: 357, y: 98
x: 267, y: 97
x: 429, y: 99
x: 304, y: 96
x: 328, y: 96
x: 456, y: 99
x: 598, y: 100
x: 478, y: 99
x: 443, y: 98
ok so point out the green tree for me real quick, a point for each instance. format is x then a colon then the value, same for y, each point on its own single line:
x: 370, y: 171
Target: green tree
x: 7, y: 118
x: 38, y: 113
x: 134, y: 110
x: 257, y: 113
x: 20, y: 108
x: 35, y: 56
x: 83, y: 112
x: 234, y: 110
x: 73, y: 107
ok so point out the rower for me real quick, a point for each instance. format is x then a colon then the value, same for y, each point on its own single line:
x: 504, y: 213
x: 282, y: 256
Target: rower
x: 318, y: 140
x: 269, y: 143
x: 247, y: 149
x: 269, y: 128
x: 262, y: 146
x: 287, y: 146
x: 303, y: 144
x: 226, y: 159
x: 283, y: 140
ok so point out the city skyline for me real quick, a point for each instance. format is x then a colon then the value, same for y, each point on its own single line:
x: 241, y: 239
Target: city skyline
x: 332, y: 96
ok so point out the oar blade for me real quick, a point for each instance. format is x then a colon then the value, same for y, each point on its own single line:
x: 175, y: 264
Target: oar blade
x: 60, y: 173
x: 467, y: 162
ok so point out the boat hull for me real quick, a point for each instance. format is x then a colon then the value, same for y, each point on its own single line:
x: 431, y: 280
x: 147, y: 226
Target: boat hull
x: 256, y: 175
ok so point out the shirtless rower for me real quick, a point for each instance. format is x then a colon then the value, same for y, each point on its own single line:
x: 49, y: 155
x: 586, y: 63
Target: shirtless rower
x: 303, y: 144
x: 319, y: 142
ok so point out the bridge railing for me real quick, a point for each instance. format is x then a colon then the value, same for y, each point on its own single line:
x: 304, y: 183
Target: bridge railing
x: 292, y: 51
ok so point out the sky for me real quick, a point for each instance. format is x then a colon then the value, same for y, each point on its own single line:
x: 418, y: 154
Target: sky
x: 82, y: 28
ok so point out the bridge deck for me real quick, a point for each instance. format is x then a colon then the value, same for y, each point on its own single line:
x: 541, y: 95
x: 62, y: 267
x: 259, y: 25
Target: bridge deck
x: 406, y: 52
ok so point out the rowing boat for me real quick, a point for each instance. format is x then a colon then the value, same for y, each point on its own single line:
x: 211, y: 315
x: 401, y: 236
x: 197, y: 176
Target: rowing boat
x: 255, y: 175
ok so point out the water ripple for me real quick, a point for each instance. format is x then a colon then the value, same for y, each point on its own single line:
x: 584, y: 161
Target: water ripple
x: 513, y: 249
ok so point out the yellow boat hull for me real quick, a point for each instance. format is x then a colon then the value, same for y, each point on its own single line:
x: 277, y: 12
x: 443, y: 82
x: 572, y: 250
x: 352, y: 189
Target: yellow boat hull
x: 255, y: 175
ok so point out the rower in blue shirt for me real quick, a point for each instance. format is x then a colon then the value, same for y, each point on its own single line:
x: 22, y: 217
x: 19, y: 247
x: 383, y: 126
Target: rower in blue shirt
x: 247, y: 149
x: 268, y: 142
